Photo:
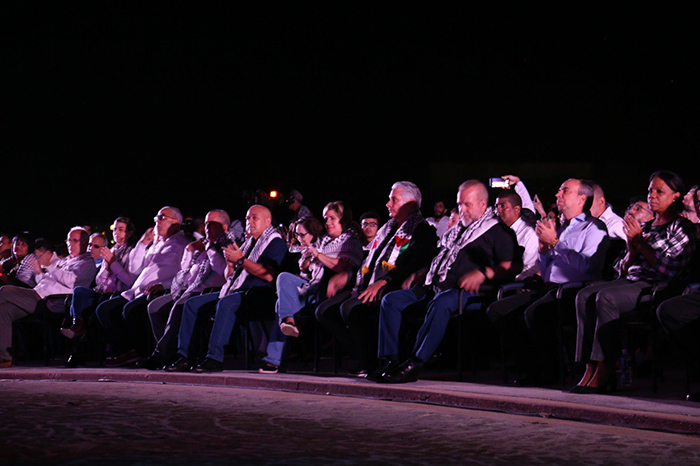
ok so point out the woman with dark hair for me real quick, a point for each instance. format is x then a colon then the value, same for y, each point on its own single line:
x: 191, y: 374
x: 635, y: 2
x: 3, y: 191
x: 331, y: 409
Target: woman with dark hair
x: 338, y: 249
x: 22, y: 267
x: 659, y: 250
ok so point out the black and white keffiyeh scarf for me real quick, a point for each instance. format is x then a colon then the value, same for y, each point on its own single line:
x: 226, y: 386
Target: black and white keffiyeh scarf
x: 252, y: 250
x: 182, y: 284
x: 347, y: 246
x: 454, y: 240
x: 384, y: 251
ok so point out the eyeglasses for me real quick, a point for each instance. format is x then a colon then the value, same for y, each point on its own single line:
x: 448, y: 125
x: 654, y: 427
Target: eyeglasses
x: 369, y: 224
x: 637, y: 208
x: 161, y: 217
x: 94, y: 246
x: 301, y: 235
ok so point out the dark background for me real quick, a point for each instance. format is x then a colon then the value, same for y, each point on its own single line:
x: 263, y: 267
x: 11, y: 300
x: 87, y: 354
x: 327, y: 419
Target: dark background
x: 118, y: 108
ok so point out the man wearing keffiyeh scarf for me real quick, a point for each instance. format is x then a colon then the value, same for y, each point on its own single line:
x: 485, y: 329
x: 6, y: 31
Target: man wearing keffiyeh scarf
x: 253, y: 265
x: 404, y: 245
x: 476, y: 251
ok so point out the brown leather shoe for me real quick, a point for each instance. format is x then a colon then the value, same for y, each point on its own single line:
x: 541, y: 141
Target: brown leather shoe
x: 5, y: 363
x: 76, y: 330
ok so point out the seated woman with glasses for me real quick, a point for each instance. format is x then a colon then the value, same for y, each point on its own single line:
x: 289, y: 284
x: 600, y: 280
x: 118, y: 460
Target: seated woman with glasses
x: 338, y: 249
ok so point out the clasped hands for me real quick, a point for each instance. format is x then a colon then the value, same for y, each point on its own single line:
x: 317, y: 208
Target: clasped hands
x: 232, y: 253
x: 633, y: 230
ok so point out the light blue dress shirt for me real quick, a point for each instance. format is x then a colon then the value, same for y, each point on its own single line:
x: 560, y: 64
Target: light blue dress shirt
x: 580, y: 253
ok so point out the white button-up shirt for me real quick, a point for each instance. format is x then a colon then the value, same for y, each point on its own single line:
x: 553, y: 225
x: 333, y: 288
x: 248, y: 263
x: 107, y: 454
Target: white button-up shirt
x: 65, y: 274
x: 527, y: 239
x: 161, y: 262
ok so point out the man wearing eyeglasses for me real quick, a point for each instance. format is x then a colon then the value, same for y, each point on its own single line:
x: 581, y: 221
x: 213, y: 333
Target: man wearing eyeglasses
x: 203, y: 266
x: 77, y: 269
x: 97, y: 242
x: 639, y: 209
x: 157, y: 255
x: 369, y: 222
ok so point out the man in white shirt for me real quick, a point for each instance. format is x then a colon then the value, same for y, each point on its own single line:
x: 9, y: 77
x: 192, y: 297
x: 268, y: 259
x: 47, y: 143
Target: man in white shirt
x: 508, y: 208
x: 158, y: 255
x: 203, y: 265
x: 603, y: 212
x: 439, y: 221
x: 77, y: 269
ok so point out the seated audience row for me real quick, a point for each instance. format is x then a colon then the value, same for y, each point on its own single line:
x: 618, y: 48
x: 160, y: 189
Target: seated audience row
x: 359, y: 280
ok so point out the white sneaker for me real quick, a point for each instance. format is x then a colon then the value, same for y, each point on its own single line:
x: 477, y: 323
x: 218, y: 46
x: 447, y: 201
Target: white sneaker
x: 289, y: 329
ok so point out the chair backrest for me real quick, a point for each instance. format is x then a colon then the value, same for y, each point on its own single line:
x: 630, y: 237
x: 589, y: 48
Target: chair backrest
x: 616, y: 249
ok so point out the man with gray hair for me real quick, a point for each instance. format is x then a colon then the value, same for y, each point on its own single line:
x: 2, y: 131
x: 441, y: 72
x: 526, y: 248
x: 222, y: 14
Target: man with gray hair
x: 405, y: 244
x: 479, y: 250
x: 157, y: 255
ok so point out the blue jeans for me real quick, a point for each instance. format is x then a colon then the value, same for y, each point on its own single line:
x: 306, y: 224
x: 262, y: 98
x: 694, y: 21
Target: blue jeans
x: 289, y: 302
x: 224, y: 320
x: 189, y: 320
x: 440, y: 310
x: 83, y: 298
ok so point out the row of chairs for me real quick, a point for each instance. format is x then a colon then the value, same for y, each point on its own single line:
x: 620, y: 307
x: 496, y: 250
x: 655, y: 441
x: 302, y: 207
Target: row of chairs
x: 642, y: 321
x: 51, y: 312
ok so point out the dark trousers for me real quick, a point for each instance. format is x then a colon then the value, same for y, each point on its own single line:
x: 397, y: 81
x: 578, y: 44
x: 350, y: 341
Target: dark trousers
x: 125, y: 324
x: 529, y: 320
x: 599, y: 307
x: 328, y: 315
x: 680, y: 318
x: 363, y: 322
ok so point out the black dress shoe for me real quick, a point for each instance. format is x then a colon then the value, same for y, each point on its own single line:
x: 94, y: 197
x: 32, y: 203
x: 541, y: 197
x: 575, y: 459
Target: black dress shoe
x: 151, y: 363
x: 75, y: 361
x: 407, y: 371
x: 693, y: 397
x: 181, y: 365
x: 210, y: 365
x: 600, y: 390
x: 359, y: 373
x: 376, y: 375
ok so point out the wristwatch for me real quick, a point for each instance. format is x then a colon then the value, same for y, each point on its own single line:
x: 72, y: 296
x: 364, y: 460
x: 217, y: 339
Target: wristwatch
x: 239, y: 263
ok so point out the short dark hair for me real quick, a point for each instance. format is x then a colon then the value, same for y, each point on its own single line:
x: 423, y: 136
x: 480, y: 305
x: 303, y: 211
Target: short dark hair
x: 587, y: 189
x: 512, y: 197
x: 44, y: 243
x: 27, y: 238
x: 369, y: 215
